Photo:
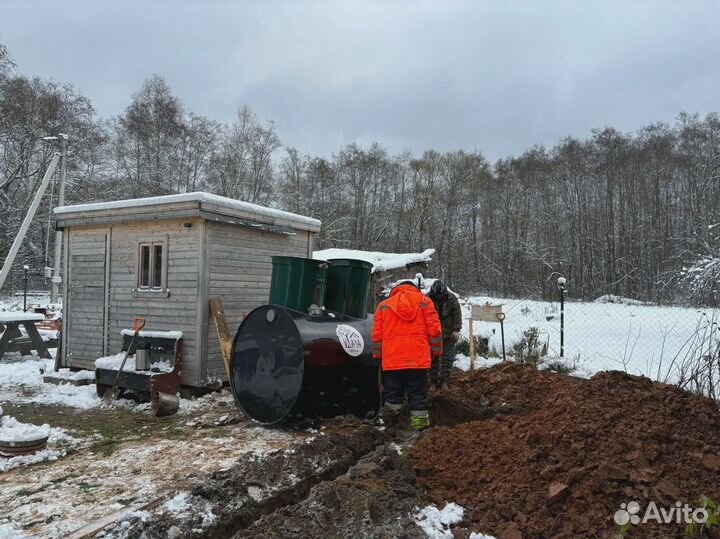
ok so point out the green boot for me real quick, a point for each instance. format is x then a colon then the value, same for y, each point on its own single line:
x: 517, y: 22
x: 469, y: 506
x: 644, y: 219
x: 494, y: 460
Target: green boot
x: 419, y: 422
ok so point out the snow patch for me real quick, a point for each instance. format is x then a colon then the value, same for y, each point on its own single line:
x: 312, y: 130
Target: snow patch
x: 185, y: 505
x: 25, y: 460
x: 462, y: 362
x: 113, y: 363
x: 380, y: 261
x: 9, y: 531
x: 436, y: 522
x: 154, y: 334
x: 611, y: 298
x: 67, y: 374
x: 20, y: 316
x: 13, y: 431
x: 252, y: 210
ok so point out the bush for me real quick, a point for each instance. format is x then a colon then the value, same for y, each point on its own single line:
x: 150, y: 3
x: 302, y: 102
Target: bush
x: 481, y: 346
x: 529, y: 349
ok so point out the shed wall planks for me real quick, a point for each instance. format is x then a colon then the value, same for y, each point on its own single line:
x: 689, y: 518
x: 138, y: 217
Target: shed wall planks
x: 239, y: 270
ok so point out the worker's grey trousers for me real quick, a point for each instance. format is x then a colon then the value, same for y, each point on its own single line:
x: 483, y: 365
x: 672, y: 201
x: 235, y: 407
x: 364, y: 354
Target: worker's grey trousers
x: 442, y: 366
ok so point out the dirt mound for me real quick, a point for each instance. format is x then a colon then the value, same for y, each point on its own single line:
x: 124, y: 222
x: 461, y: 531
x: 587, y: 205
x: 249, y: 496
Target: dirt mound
x: 374, y: 500
x: 568, y: 453
x: 508, y: 388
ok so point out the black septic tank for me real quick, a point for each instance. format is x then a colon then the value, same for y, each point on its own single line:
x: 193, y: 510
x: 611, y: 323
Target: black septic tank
x: 288, y: 365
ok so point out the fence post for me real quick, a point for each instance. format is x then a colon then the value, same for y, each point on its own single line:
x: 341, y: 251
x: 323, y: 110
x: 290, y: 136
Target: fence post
x: 561, y: 286
x: 472, y: 345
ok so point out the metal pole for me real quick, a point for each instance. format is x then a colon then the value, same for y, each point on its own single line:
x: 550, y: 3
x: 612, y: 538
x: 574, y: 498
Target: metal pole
x: 25, y: 279
x: 562, y: 321
x: 57, y: 276
x: 472, y: 345
x: 28, y: 219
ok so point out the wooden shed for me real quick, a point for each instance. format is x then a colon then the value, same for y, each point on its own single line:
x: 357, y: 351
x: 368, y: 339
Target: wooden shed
x: 163, y: 258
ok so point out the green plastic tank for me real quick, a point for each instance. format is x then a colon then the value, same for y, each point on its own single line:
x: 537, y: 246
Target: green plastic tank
x: 348, y: 286
x: 297, y: 283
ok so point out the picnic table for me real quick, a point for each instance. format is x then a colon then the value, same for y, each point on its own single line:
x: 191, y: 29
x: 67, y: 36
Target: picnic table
x: 10, y: 322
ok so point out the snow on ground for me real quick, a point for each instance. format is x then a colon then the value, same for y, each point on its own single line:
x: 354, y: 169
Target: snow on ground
x: 185, y: 503
x: 9, y: 531
x: 12, y: 431
x: 68, y: 375
x: 436, y: 522
x: 60, y: 441
x: 380, y: 261
x: 44, y: 455
x: 21, y: 381
x: 42, y: 299
x: 82, y: 488
x: 608, y: 334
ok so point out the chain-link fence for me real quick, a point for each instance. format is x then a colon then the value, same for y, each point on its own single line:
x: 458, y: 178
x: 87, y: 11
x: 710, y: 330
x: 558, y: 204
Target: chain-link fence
x: 673, y: 344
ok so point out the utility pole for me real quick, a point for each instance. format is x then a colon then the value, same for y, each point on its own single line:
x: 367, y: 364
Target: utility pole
x: 57, y: 276
x: 28, y: 218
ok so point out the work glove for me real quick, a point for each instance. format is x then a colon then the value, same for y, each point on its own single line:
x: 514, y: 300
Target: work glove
x: 455, y: 336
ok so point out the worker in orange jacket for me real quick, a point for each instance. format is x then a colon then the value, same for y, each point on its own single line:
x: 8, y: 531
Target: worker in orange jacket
x: 406, y: 332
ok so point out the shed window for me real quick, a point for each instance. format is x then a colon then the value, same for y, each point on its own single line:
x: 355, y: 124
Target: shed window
x: 151, y: 267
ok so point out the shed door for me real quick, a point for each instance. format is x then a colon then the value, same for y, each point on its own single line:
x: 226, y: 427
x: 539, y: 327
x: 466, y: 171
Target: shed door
x: 87, y: 299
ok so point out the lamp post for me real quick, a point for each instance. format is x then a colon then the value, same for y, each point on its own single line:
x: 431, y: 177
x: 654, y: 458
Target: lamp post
x: 561, y: 286
x: 26, y: 268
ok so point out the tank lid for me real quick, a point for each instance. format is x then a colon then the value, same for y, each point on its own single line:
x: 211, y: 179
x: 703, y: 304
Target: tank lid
x: 350, y: 262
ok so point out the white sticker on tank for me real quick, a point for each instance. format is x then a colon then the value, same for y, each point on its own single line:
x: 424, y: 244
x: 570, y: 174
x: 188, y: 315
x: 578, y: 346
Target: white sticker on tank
x: 350, y: 339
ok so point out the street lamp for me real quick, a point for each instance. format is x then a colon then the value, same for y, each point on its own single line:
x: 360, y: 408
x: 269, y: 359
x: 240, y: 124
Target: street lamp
x: 561, y: 286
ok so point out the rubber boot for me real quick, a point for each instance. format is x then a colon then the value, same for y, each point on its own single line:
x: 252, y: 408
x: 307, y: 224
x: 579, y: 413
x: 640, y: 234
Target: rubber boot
x: 419, y: 421
x: 390, y: 415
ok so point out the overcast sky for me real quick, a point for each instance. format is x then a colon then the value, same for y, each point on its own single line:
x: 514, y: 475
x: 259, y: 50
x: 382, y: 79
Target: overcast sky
x: 494, y: 76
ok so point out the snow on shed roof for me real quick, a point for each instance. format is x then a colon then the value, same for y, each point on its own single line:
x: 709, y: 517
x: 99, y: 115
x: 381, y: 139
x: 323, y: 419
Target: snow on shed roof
x: 202, y: 201
x: 380, y: 261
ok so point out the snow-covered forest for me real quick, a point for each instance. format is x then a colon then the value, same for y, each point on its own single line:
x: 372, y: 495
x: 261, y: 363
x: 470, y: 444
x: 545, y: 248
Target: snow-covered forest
x: 616, y: 213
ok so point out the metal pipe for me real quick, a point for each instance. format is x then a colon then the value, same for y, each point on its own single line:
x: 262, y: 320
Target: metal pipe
x: 28, y: 219
x: 57, y: 276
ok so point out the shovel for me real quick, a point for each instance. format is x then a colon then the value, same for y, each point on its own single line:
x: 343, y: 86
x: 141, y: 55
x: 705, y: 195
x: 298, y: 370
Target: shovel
x: 111, y: 395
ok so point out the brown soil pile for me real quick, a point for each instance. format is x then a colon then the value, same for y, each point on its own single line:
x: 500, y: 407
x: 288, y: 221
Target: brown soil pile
x: 560, y: 455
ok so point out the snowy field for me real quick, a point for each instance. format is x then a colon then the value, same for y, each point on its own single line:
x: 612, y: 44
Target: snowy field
x: 629, y: 336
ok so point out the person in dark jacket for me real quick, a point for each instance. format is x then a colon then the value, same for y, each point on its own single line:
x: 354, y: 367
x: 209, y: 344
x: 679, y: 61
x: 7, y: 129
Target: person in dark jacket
x: 450, y: 313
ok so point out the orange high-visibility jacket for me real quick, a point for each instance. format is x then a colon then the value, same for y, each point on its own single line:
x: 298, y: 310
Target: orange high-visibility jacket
x: 406, y: 330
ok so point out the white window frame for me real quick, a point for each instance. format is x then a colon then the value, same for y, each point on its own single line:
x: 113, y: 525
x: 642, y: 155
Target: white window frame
x: 163, y: 244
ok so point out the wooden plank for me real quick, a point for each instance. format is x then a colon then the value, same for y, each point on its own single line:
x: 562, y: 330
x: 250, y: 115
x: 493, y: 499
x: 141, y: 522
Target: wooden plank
x: 91, y: 530
x: 224, y: 336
